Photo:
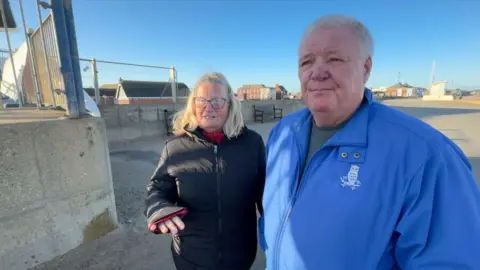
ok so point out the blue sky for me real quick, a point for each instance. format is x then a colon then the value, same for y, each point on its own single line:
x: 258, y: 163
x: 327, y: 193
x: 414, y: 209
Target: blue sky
x: 256, y: 41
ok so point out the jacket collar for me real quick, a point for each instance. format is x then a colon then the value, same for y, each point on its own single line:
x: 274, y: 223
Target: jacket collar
x: 197, y: 134
x: 354, y: 133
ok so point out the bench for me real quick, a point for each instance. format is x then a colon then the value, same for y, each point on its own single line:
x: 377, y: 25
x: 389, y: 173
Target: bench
x: 168, y: 118
x: 259, y: 111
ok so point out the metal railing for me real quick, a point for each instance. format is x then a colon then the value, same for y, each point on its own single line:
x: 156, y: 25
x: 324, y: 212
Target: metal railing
x: 42, y: 72
x: 44, y: 50
x: 95, y: 75
x: 3, y: 13
x: 51, y: 74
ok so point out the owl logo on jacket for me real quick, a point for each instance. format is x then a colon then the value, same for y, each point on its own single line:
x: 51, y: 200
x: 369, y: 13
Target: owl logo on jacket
x: 351, y: 179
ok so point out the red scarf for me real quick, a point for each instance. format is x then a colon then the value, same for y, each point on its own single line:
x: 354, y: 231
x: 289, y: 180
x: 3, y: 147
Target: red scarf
x: 215, y: 137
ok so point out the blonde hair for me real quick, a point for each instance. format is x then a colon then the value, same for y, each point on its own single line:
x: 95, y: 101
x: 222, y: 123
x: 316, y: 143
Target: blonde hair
x: 185, y: 121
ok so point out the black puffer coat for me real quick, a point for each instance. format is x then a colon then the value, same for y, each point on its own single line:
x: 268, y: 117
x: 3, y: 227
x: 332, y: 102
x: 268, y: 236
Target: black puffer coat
x: 220, y: 185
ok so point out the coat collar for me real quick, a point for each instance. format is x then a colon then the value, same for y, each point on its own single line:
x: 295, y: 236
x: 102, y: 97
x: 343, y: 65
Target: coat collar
x: 197, y: 134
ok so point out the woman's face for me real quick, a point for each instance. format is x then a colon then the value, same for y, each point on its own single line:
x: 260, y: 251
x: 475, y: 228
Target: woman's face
x: 211, y: 107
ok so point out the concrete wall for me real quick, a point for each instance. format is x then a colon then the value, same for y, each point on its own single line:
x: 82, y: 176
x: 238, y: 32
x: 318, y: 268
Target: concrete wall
x: 288, y: 106
x: 128, y: 123
x: 154, y: 100
x: 55, y: 189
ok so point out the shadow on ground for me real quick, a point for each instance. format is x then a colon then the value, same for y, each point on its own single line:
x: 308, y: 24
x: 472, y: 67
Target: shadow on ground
x: 428, y: 112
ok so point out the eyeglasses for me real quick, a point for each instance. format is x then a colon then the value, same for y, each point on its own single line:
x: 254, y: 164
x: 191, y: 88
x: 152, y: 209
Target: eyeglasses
x: 217, y: 103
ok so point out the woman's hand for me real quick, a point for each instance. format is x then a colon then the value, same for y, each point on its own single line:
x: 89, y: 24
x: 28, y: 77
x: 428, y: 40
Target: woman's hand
x: 173, y: 225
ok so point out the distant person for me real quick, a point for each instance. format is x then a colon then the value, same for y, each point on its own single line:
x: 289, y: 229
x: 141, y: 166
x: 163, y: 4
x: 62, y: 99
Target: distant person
x: 356, y: 185
x: 209, y: 179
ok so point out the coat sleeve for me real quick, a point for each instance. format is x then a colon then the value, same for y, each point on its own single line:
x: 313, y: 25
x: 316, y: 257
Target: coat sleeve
x: 260, y: 177
x: 439, y: 227
x: 162, y: 189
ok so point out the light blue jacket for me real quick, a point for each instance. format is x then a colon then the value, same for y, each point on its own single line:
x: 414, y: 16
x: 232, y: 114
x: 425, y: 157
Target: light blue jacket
x: 386, y: 192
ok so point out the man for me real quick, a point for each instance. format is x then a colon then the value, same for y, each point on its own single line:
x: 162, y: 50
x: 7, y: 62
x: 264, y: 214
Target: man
x: 355, y: 185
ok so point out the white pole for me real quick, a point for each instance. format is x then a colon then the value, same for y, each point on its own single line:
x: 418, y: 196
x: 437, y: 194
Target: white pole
x: 33, y: 65
x: 173, y: 80
x: 432, y: 75
x: 95, y: 81
x: 47, y: 65
x: 19, y: 92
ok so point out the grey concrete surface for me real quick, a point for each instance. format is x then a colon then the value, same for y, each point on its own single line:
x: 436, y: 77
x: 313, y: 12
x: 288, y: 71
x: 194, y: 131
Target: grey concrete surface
x: 457, y: 120
x: 56, y: 189
x: 133, y: 248
x: 127, y: 123
x: 28, y: 115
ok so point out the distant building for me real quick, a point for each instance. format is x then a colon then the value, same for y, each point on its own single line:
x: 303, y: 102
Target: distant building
x: 280, y: 91
x: 138, y: 92
x: 149, y: 92
x: 256, y: 92
x: 107, y: 93
x: 404, y: 90
x: 107, y: 90
x: 474, y: 92
x: 260, y: 92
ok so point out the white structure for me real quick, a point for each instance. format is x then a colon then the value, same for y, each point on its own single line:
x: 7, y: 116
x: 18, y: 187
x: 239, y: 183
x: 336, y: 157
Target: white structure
x: 437, y: 89
x: 437, y: 92
x: 271, y: 93
x: 8, y: 89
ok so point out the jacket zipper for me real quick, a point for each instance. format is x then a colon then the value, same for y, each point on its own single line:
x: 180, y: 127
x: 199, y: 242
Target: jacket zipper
x: 300, y: 183
x: 219, y: 205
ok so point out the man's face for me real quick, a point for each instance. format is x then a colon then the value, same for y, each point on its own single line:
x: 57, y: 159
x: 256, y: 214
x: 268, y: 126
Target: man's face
x: 332, y: 70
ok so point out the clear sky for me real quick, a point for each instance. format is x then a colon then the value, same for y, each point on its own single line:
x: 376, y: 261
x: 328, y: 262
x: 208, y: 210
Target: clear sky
x: 256, y: 41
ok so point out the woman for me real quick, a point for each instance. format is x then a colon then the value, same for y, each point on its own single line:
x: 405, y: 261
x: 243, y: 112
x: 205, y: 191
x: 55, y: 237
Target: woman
x: 214, y: 168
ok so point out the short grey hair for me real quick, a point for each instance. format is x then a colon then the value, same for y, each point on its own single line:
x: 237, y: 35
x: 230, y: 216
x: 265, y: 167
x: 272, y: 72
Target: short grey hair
x: 185, y: 121
x: 361, y: 31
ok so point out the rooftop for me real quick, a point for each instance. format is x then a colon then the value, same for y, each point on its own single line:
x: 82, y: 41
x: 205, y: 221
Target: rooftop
x: 152, y: 89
